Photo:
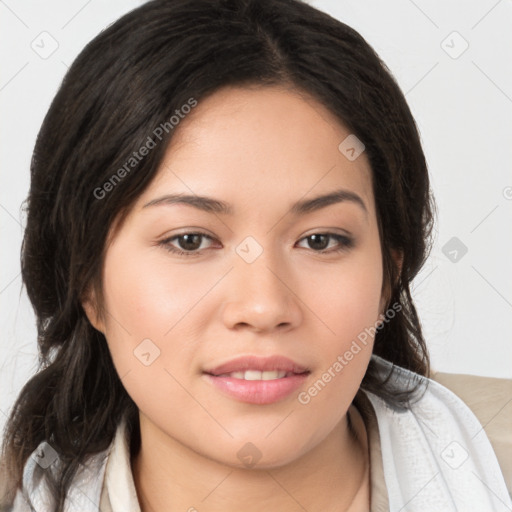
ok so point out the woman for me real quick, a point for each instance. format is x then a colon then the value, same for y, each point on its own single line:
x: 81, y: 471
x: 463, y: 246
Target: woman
x: 228, y: 203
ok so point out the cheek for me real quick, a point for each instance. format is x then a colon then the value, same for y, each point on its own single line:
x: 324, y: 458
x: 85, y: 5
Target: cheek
x: 347, y: 298
x: 145, y: 294
x: 147, y: 300
x: 348, y: 306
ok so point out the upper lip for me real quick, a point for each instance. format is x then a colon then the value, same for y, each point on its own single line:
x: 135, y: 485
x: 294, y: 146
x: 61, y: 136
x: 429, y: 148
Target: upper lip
x: 279, y: 363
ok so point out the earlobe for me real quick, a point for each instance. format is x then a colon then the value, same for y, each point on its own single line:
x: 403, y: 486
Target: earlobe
x: 89, y: 305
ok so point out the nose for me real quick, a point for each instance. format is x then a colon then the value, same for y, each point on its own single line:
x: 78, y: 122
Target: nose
x: 261, y: 297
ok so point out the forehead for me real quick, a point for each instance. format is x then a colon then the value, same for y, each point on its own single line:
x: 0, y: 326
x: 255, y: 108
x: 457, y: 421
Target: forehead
x: 260, y: 143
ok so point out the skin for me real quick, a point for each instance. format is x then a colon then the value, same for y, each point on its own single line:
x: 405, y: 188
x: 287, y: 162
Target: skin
x: 260, y: 150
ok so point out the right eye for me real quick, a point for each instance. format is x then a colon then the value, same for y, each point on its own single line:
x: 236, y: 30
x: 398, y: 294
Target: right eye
x: 189, y: 243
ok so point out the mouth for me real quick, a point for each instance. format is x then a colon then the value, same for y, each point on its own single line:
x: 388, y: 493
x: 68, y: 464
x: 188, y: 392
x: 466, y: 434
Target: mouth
x: 257, y: 380
x: 258, y: 375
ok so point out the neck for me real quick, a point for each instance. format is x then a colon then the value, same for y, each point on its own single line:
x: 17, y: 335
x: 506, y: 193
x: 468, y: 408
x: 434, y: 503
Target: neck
x: 170, y: 476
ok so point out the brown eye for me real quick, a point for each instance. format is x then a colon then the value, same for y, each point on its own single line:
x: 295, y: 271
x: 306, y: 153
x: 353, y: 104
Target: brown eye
x: 189, y: 242
x: 186, y: 244
x: 319, y: 242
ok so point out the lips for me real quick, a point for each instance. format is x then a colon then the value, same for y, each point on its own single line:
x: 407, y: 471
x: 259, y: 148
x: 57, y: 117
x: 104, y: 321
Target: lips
x: 250, y: 365
x: 257, y: 380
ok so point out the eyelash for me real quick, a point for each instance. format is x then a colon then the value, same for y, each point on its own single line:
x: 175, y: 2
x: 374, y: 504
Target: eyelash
x: 346, y: 243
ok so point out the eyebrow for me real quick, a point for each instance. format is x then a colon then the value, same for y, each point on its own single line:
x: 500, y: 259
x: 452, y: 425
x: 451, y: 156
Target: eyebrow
x: 302, y: 207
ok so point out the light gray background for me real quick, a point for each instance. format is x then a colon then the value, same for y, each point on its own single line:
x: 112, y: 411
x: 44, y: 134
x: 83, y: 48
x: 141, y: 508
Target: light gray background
x: 461, y: 100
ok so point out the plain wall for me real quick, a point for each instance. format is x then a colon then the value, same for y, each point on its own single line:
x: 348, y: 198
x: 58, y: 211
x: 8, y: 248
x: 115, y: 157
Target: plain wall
x: 460, y: 97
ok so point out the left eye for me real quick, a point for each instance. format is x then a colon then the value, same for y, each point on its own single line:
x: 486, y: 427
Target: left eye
x: 320, y: 241
x: 190, y: 244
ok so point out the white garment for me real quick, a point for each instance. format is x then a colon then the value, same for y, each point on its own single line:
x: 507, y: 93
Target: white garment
x: 436, y: 458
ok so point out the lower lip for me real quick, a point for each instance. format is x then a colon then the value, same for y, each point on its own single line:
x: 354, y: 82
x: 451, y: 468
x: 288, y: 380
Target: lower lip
x: 258, y: 391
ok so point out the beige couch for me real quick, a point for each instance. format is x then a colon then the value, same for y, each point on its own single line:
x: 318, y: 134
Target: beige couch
x: 490, y: 399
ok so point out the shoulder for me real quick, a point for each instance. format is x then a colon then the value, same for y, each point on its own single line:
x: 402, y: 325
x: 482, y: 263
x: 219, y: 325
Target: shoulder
x: 44, y: 463
x: 438, y: 445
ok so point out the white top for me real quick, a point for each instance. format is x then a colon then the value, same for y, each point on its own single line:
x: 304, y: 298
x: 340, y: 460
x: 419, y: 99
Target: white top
x: 436, y: 457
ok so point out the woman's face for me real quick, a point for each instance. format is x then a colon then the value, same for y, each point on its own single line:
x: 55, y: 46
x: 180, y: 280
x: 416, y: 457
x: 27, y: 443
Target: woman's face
x: 273, y: 273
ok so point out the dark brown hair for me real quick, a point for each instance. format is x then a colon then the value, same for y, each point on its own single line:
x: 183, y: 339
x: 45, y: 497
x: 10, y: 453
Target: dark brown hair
x: 126, y: 82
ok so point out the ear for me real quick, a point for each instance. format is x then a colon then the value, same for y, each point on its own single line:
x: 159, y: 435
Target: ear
x: 91, y: 308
